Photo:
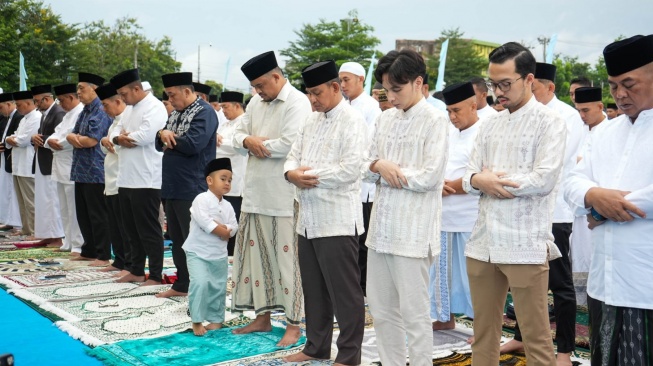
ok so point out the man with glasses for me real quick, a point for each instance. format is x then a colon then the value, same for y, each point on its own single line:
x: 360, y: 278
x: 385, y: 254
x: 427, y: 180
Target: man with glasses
x: 515, y: 167
x: 47, y: 220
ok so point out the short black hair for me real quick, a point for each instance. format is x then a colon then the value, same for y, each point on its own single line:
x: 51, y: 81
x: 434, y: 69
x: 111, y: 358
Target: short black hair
x: 479, y: 82
x: 524, y: 60
x: 581, y: 80
x: 402, y: 66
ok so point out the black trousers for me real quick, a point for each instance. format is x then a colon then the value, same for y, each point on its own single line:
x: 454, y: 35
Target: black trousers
x: 236, y: 202
x: 119, y: 241
x: 178, y: 216
x: 92, y: 218
x: 561, y: 283
x: 330, y: 273
x: 362, y: 248
x: 140, y: 216
x: 595, y: 308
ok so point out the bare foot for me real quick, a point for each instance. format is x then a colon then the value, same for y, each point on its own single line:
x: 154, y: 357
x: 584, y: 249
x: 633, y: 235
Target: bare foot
x: 512, y: 346
x: 54, y: 243
x: 109, y: 268
x: 99, y: 263
x: 563, y: 359
x: 213, y: 326
x: 290, y: 337
x: 74, y: 254
x: 130, y: 278
x: 170, y: 293
x: 260, y: 324
x: 198, y: 329
x: 122, y: 273
x: 298, y: 357
x: 80, y: 258
x: 451, y: 324
x: 151, y: 283
x: 470, y: 340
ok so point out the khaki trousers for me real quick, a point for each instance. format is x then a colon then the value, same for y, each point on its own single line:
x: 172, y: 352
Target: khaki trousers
x: 528, y: 284
x: 24, y: 187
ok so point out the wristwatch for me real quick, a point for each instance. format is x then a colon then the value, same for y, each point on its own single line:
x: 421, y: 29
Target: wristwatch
x: 597, y: 216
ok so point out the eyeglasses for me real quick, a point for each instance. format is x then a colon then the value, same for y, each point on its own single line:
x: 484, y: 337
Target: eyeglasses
x: 37, y: 101
x: 504, y: 86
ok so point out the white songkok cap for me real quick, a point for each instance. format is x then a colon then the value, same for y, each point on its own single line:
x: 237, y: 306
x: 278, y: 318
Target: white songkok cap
x: 146, y: 85
x: 353, y: 67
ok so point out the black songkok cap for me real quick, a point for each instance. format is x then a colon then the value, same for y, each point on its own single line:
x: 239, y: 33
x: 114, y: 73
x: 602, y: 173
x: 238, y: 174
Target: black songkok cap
x: 6, y: 97
x: 377, y: 86
x: 259, y: 65
x: 164, y: 96
x: 230, y: 96
x: 125, y: 78
x: 85, y: 77
x: 65, y: 89
x: 217, y: 164
x: 213, y: 98
x: 202, y: 88
x: 545, y: 71
x: 588, y: 94
x: 610, y: 105
x: 106, y: 91
x: 41, y: 89
x: 489, y: 100
x: 426, y: 79
x: 456, y: 93
x: 319, y: 73
x: 302, y: 88
x: 177, y: 79
x: 628, y: 54
x: 22, y: 95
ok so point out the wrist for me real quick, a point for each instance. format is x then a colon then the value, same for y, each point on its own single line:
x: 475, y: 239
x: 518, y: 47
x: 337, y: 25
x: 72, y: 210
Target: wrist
x: 471, y: 178
x: 597, y: 216
x: 373, y: 166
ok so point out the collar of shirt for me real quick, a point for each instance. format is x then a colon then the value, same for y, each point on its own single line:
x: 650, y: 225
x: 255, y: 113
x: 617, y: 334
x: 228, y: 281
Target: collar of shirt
x: 523, y: 110
x: 335, y: 110
x: 284, y: 92
x: 469, y: 130
x: 552, y: 102
x: 45, y: 112
x: 11, y: 115
x: 413, y: 111
x: 94, y: 105
x: 646, y: 114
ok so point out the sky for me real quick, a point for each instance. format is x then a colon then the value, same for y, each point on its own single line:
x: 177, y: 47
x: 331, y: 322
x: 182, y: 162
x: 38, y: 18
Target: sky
x: 228, y: 33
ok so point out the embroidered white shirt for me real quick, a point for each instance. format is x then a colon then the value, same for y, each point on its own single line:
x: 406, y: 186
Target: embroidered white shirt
x: 332, y: 145
x: 62, y: 160
x: 528, y: 145
x: 227, y: 129
x: 111, y: 160
x: 486, y: 112
x: 140, y: 166
x: 266, y: 191
x: 369, y: 108
x: 22, y: 155
x: 406, y: 222
x: 206, y: 212
x: 618, y: 156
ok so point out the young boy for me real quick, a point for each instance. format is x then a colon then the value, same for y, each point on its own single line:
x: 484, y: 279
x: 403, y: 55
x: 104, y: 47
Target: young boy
x: 213, y: 222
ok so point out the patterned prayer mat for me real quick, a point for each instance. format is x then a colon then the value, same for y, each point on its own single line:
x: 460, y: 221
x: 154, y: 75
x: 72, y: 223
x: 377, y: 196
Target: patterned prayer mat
x: 27, y: 266
x: 218, y: 347
x: 57, y: 277
x: 33, y: 253
x: 465, y: 359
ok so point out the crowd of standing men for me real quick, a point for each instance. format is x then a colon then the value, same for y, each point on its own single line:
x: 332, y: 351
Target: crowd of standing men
x: 429, y: 208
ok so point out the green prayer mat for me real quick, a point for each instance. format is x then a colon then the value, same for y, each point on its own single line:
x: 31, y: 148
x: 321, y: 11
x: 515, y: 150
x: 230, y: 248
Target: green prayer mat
x: 185, y: 348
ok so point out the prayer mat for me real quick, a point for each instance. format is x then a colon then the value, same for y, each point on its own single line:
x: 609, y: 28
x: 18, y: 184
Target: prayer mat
x: 7, y: 246
x: 465, y: 359
x: 28, y: 244
x: 218, y: 347
x: 27, y: 266
x: 57, y: 277
x: 34, y: 253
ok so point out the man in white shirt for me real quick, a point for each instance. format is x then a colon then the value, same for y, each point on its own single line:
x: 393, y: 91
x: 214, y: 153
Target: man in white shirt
x: 612, y: 185
x: 62, y: 158
x: 449, y: 286
x: 10, y: 214
x: 216, y: 103
x: 22, y: 156
x: 611, y: 110
x: 139, y: 176
x: 561, y: 281
x: 437, y: 103
x: 484, y: 110
x: 407, y: 158
x: 232, y: 106
x: 266, y: 268
x: 47, y: 220
x: 324, y: 164
x: 117, y: 109
x: 515, y: 166
x: 352, y: 82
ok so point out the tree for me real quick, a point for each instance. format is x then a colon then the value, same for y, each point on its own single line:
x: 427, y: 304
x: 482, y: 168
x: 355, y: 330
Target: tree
x: 568, y: 68
x: 217, y: 87
x: 462, y: 63
x: 343, y: 41
x: 27, y: 26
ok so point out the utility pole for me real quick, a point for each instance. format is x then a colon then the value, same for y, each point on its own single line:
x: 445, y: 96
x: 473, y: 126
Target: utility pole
x: 544, y: 41
x: 198, y: 63
x: 136, y: 56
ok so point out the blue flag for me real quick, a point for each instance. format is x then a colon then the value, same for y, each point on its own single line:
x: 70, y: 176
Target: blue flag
x: 443, y: 61
x: 550, y: 48
x: 368, y: 77
x: 22, y: 73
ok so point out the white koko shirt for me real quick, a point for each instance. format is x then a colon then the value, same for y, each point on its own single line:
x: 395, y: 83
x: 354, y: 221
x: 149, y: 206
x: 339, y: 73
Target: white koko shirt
x: 62, y: 160
x: 22, y: 155
x: 369, y: 108
x: 227, y: 129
